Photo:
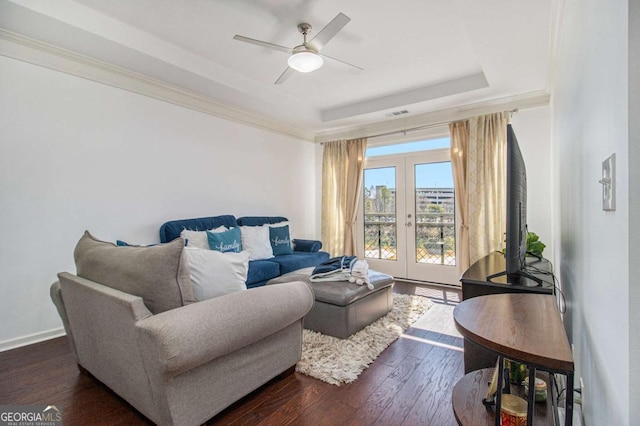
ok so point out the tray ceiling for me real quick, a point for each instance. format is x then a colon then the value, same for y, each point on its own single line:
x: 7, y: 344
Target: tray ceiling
x: 420, y: 56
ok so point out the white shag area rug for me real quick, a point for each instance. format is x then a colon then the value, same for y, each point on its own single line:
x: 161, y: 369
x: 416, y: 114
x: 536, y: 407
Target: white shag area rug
x: 337, y: 361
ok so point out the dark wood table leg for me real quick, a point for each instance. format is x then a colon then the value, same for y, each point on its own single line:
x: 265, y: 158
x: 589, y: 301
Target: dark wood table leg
x: 568, y: 415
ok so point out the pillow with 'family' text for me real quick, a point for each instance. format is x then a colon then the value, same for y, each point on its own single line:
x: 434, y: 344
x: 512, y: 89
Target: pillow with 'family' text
x: 279, y: 224
x: 227, y: 241
x: 280, y: 240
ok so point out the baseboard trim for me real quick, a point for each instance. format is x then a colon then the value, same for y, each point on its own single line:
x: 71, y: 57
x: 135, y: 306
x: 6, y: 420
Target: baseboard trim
x: 30, y: 339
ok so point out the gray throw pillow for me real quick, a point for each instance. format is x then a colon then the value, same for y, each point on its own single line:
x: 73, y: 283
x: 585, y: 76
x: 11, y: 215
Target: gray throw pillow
x: 159, y: 274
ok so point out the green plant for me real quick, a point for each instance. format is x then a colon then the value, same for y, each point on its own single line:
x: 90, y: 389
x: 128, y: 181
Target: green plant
x: 534, y: 245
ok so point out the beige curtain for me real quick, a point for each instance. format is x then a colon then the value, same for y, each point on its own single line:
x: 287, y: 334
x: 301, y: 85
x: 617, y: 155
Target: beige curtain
x: 342, y: 168
x: 459, y: 143
x: 484, y: 174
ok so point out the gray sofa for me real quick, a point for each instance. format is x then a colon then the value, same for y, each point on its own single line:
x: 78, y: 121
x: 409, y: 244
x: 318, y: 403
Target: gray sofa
x: 132, y: 323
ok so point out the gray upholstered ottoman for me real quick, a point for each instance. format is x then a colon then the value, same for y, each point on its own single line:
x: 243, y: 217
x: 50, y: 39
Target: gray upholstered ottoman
x: 342, y: 308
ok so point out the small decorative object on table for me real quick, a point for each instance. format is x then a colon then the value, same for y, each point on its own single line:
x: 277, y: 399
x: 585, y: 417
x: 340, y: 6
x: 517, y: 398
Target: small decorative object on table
x: 489, y: 398
x: 540, y: 389
x: 517, y: 371
x: 514, y: 411
x: 535, y: 247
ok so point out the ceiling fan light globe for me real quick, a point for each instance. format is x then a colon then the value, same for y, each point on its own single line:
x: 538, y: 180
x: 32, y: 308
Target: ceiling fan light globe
x: 305, y: 61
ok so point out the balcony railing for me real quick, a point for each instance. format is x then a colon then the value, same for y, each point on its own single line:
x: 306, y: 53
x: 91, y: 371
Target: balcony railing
x: 380, y: 236
x: 435, y: 237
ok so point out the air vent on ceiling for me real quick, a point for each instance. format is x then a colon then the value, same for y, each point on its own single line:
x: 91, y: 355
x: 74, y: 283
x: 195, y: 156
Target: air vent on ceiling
x: 397, y: 113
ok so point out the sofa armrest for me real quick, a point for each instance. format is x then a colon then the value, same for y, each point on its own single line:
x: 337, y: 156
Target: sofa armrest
x: 187, y: 337
x: 55, y: 291
x: 309, y: 246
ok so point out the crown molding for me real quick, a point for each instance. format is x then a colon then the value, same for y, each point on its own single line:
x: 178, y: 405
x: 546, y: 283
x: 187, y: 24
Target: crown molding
x: 408, y: 97
x: 35, y: 52
x: 439, y: 118
x: 28, y: 50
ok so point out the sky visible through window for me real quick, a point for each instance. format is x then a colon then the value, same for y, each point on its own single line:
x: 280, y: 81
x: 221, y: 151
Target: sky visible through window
x: 438, y: 176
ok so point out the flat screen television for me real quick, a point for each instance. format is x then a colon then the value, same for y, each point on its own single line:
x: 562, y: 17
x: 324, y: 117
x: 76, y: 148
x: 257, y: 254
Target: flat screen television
x: 516, y: 232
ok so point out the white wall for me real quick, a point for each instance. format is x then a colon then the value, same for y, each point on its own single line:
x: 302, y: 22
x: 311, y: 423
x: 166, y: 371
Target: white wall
x: 634, y: 202
x: 533, y: 131
x: 78, y: 155
x: 590, y: 122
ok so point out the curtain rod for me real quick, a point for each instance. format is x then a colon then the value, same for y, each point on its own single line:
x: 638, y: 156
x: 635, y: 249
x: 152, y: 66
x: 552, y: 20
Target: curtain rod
x: 412, y: 129
x: 426, y: 126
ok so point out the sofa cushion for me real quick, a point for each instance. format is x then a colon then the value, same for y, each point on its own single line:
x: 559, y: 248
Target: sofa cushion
x: 214, y: 273
x: 299, y: 260
x: 310, y: 246
x: 159, y: 274
x: 171, y: 230
x: 261, y: 270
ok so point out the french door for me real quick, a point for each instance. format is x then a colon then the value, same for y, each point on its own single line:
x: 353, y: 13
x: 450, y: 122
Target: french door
x: 406, y: 225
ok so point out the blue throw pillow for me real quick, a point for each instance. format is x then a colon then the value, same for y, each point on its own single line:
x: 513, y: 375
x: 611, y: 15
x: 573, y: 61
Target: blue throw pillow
x: 280, y: 240
x: 227, y: 241
x: 121, y: 243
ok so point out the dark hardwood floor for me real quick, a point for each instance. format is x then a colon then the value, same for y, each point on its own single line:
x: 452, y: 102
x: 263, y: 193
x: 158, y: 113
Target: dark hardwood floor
x: 410, y: 383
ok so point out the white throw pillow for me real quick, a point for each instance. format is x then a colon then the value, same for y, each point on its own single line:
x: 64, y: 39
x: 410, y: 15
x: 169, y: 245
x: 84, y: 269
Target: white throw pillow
x: 199, y: 239
x: 256, y: 240
x: 214, y: 273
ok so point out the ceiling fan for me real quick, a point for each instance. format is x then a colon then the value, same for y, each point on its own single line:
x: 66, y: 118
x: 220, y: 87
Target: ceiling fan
x: 306, y: 57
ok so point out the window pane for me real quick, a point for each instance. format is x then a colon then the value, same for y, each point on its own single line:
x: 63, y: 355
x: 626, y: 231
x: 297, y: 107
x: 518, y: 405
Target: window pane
x: 435, y: 214
x: 409, y: 147
x: 380, y: 227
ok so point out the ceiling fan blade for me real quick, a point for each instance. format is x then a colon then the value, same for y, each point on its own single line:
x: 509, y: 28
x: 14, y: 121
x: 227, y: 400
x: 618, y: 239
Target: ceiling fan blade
x: 329, y: 31
x: 263, y: 44
x: 285, y: 75
x: 356, y: 68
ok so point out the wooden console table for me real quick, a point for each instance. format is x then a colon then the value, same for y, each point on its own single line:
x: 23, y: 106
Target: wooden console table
x: 475, y: 283
x: 522, y: 327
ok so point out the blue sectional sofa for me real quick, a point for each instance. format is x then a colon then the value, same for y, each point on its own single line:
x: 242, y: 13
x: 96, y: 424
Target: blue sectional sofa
x: 306, y: 253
